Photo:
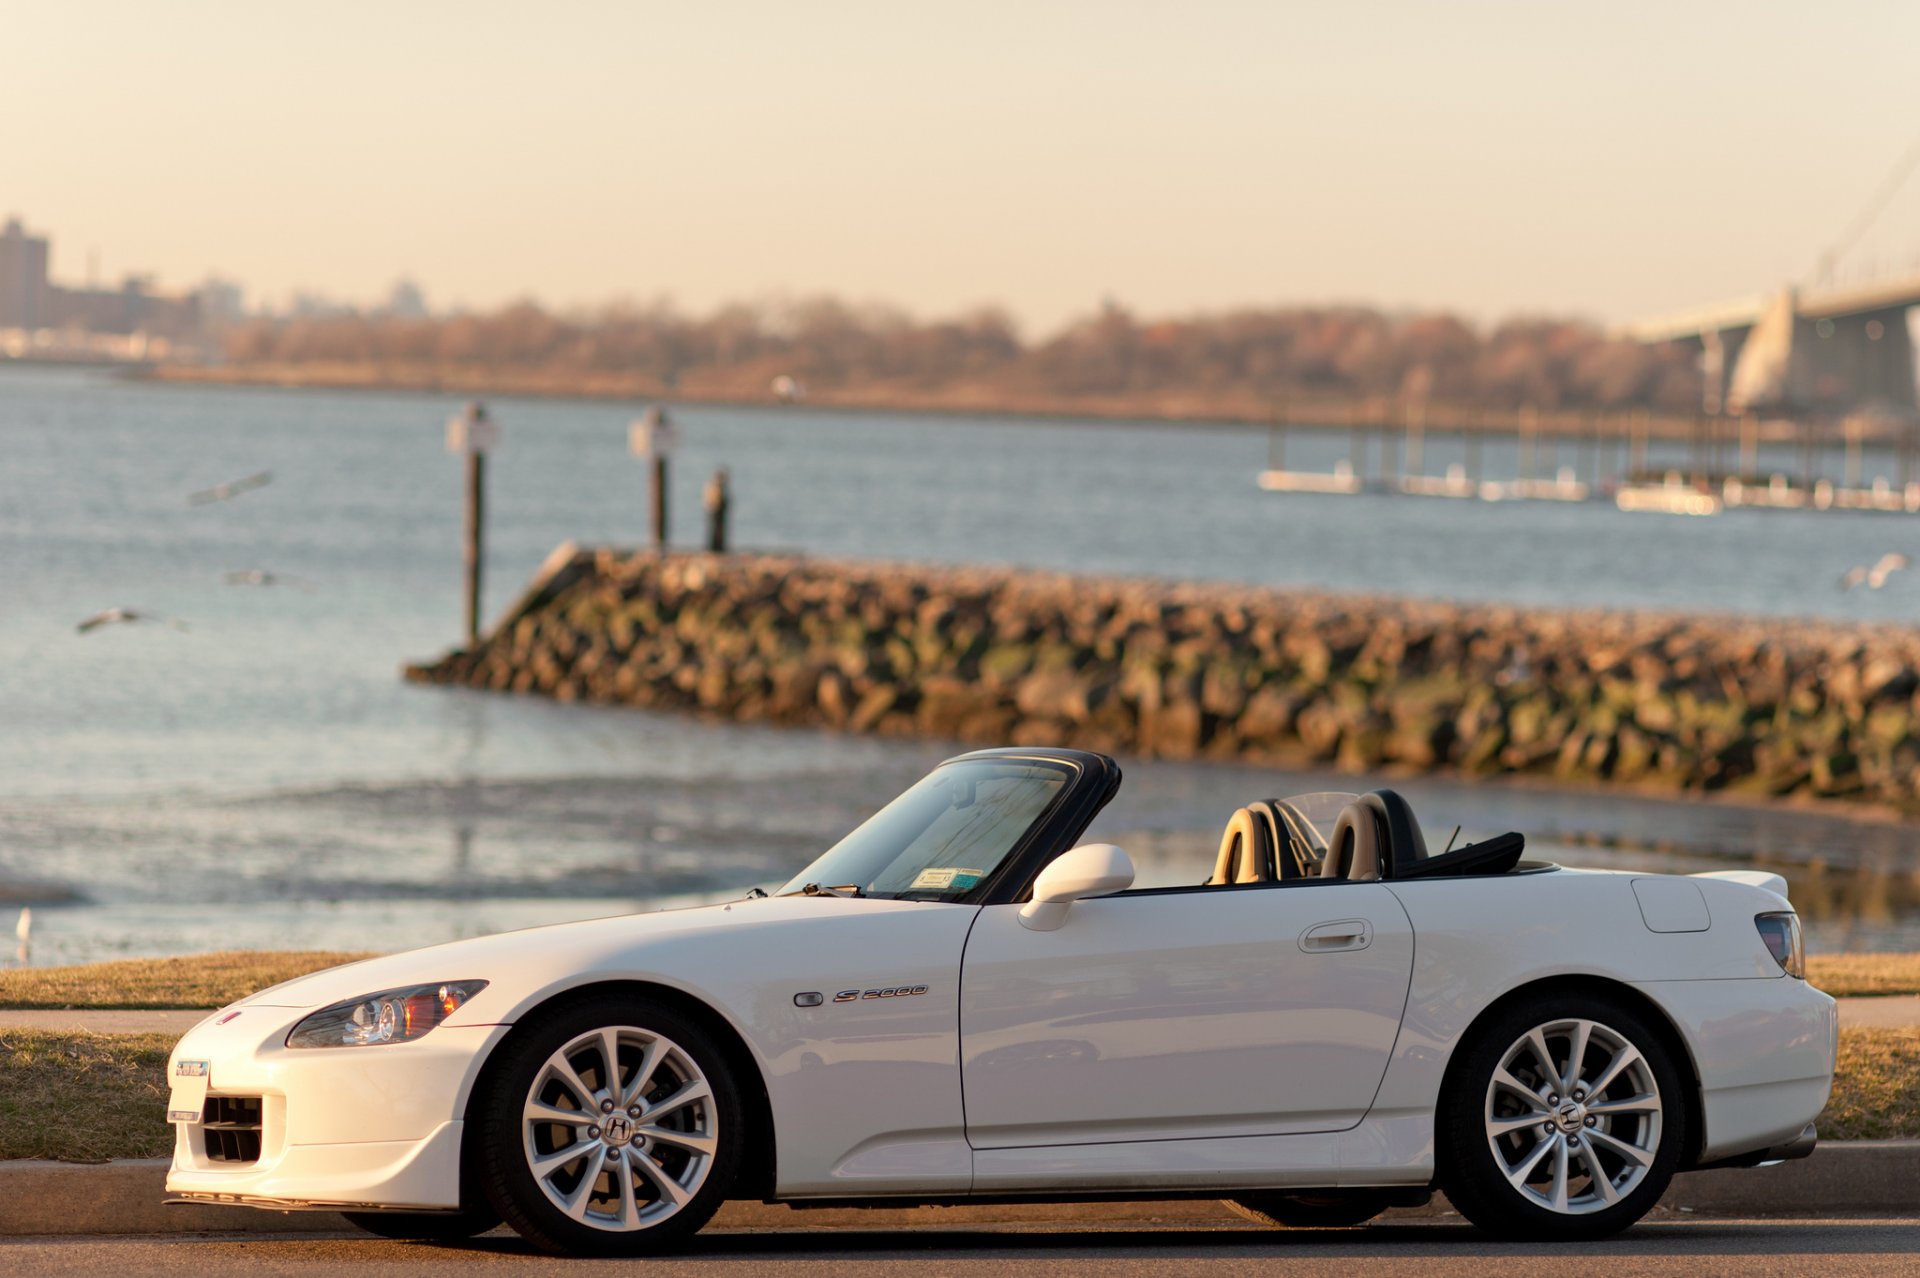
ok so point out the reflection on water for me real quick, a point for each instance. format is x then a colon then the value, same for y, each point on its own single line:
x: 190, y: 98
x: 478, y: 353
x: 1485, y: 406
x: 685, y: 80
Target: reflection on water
x: 389, y: 867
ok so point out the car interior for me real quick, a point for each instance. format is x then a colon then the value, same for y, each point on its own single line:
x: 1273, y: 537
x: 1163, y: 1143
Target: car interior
x: 1372, y: 836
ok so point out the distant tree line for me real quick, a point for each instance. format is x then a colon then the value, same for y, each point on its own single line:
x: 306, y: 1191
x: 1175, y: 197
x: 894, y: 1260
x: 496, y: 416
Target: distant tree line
x: 1244, y: 361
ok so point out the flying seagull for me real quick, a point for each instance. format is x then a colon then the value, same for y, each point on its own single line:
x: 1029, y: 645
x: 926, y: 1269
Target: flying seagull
x: 261, y: 577
x: 1875, y: 576
x: 118, y: 616
x: 225, y: 492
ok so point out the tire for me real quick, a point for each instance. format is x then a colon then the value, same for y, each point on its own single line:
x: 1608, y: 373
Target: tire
x: 646, y: 1175
x: 1329, y: 1210
x: 426, y: 1226
x: 1542, y: 1150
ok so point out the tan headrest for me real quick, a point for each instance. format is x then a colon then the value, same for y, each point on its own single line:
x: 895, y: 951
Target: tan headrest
x: 1353, y: 851
x: 1246, y: 853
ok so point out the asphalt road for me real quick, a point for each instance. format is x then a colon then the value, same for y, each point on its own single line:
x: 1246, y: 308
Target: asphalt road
x: 1701, y: 1247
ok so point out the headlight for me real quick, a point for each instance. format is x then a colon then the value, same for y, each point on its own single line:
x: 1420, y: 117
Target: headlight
x: 391, y: 1016
x: 1781, y: 933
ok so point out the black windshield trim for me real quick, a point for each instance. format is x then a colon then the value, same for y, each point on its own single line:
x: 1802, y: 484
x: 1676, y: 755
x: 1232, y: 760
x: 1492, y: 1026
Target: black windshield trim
x: 1093, y: 780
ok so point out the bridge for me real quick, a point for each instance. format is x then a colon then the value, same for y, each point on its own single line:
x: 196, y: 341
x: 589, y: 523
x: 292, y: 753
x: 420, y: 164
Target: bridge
x: 1837, y: 349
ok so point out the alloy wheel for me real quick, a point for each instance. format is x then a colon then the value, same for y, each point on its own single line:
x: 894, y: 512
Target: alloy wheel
x: 620, y: 1128
x: 1573, y: 1115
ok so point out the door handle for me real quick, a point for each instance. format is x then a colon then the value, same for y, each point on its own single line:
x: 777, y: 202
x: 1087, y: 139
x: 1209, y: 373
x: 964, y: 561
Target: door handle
x: 1342, y: 934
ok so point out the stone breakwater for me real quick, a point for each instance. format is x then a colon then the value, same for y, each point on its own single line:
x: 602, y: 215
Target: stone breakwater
x: 1214, y: 671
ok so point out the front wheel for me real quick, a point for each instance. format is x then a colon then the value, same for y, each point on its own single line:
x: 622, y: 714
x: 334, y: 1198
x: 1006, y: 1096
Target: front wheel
x: 609, y: 1128
x: 1564, y: 1119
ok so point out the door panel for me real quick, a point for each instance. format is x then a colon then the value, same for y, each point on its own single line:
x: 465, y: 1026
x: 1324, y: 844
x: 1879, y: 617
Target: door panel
x: 1214, y: 1012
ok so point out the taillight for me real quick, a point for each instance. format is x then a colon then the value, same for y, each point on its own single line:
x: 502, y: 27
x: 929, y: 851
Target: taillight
x: 1781, y: 935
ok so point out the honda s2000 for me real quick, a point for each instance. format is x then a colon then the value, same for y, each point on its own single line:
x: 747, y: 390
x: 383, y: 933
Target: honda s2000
x: 957, y: 1004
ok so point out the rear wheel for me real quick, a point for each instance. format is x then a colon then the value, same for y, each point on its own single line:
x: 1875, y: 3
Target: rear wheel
x: 1564, y: 1119
x: 610, y: 1128
x: 426, y: 1226
x: 1329, y: 1210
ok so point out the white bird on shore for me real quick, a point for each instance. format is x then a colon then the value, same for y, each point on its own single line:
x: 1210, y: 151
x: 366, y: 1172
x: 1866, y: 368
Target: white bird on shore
x: 227, y: 491
x: 24, y: 931
x: 123, y: 616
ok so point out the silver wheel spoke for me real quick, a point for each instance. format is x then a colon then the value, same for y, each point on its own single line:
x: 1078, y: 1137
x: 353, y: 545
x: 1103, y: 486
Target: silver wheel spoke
x: 576, y: 1204
x: 643, y: 1073
x: 1642, y: 1104
x: 545, y: 1167
x: 1624, y: 1059
x: 1632, y: 1153
x: 691, y: 1092
x: 1519, y: 1123
x: 1601, y: 1182
x: 1505, y: 1079
x: 1537, y: 1042
x: 610, y: 1074
x: 698, y: 1142
x: 1558, y: 1198
x: 623, y: 1185
x: 1576, y: 1055
x: 1519, y: 1172
x: 570, y: 1079
x: 669, y: 1188
x: 540, y: 1112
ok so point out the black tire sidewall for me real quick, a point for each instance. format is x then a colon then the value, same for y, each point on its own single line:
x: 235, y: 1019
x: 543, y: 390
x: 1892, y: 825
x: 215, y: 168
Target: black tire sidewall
x: 1467, y: 1169
x: 500, y: 1163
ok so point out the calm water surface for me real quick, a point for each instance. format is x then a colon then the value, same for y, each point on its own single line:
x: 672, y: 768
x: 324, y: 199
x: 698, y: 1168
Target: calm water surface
x: 262, y: 777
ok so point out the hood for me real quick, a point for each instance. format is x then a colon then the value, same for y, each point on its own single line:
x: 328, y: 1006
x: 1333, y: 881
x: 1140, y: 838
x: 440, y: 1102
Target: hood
x: 518, y: 958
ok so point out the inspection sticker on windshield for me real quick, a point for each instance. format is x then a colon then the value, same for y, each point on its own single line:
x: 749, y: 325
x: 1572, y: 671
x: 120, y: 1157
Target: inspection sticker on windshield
x: 945, y: 877
x: 189, y: 1098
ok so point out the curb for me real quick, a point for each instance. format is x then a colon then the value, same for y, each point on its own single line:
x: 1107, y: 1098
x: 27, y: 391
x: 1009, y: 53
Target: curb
x: 1868, y: 1177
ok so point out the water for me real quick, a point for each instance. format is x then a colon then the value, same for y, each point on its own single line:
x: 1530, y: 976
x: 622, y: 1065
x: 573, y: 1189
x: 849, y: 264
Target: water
x: 263, y: 777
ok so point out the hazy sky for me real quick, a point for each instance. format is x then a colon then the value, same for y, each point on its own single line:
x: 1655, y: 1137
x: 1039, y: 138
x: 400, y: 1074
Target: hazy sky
x: 1610, y: 159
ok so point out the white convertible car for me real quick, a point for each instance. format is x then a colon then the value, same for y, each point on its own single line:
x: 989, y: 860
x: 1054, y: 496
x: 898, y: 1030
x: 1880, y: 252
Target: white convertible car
x: 956, y: 1004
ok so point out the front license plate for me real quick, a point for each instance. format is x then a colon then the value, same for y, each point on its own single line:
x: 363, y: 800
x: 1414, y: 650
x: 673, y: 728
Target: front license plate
x: 189, y: 1098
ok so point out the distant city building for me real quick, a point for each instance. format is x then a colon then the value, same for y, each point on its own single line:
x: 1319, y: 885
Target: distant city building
x: 40, y: 319
x: 222, y: 302
x: 23, y: 277
x: 405, y: 300
x: 134, y: 307
x: 305, y: 305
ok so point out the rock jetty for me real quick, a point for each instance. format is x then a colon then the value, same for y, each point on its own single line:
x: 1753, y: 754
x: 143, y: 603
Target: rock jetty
x: 1159, y: 668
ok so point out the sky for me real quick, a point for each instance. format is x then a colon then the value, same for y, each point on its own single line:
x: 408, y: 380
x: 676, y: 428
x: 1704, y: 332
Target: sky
x: 1611, y: 160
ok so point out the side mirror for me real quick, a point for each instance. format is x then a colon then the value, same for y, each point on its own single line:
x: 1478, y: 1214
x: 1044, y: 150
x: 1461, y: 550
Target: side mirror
x: 1093, y: 869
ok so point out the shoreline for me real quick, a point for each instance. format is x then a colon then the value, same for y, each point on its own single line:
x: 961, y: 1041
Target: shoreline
x: 1228, y: 412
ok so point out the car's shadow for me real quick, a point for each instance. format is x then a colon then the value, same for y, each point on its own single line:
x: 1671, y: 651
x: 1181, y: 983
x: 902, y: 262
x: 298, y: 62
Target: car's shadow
x: 1664, y: 1239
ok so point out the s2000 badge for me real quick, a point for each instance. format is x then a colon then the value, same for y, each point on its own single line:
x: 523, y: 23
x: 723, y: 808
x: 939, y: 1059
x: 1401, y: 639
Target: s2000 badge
x: 888, y: 991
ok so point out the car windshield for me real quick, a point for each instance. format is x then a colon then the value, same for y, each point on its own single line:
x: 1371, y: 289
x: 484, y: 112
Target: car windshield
x: 943, y: 837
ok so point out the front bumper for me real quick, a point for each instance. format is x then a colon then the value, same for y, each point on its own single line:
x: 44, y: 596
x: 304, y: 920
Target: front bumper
x: 355, y: 1127
x: 419, y: 1175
